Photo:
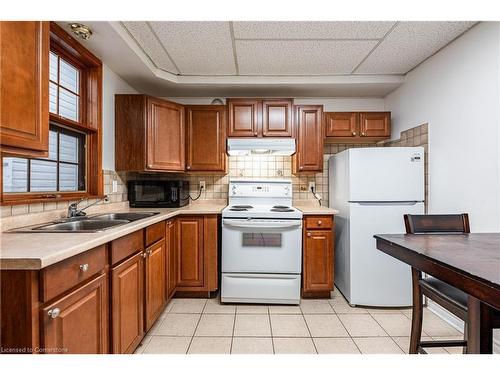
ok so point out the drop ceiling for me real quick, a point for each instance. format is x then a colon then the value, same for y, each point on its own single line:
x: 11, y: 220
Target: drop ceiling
x: 268, y: 58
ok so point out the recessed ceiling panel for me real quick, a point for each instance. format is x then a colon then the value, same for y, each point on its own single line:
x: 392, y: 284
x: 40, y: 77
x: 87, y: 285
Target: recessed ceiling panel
x: 273, y: 57
x: 148, y: 42
x: 409, y: 44
x: 311, y: 30
x: 198, y: 48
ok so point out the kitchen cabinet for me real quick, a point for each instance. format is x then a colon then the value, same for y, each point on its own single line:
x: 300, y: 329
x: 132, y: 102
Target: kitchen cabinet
x: 127, y: 301
x: 155, y: 282
x: 149, y: 134
x: 78, y: 321
x: 309, y: 130
x: 206, y: 138
x: 318, y: 256
x: 24, y: 88
x: 171, y: 266
x: 357, y: 127
x: 197, y: 253
x: 260, y: 117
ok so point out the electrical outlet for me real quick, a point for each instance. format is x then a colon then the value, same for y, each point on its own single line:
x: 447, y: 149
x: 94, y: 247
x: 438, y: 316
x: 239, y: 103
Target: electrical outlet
x: 114, y: 186
x: 202, y: 185
x: 312, y: 185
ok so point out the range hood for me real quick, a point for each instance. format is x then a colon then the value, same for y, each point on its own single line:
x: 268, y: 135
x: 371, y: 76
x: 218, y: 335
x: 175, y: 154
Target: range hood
x: 260, y: 146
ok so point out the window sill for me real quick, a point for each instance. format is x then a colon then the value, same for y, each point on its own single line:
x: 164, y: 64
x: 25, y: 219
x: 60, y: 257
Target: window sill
x: 17, y: 199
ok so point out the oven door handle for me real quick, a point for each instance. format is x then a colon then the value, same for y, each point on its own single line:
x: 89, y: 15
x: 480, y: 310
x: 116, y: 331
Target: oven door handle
x: 261, y: 224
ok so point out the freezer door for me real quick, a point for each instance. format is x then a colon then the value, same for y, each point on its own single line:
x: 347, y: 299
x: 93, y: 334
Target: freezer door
x: 386, y: 174
x: 376, y: 278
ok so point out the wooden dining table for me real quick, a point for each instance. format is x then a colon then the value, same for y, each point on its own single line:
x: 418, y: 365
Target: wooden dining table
x: 469, y: 262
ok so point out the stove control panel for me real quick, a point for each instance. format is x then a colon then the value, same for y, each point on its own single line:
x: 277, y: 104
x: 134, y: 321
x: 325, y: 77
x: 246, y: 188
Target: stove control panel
x: 263, y: 189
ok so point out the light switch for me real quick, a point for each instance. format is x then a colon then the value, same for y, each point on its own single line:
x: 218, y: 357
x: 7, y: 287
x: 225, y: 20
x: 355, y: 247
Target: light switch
x: 114, y: 186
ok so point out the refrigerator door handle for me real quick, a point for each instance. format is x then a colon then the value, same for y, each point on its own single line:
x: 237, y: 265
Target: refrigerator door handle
x: 391, y: 203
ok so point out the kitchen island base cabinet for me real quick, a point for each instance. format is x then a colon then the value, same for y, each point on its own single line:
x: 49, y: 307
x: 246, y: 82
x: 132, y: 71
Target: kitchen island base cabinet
x: 78, y: 322
x: 127, y: 304
x: 317, y: 256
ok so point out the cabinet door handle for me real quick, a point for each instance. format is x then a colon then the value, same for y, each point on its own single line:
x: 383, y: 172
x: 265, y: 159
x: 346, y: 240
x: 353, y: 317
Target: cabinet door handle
x: 308, y: 234
x: 255, y: 134
x: 320, y: 222
x: 188, y: 167
x: 54, y: 313
x: 144, y: 255
x: 301, y: 168
x: 363, y: 134
x: 149, y: 252
x: 354, y: 133
x: 84, y: 267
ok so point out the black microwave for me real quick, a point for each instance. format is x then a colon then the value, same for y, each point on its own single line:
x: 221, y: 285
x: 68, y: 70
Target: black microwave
x: 157, y: 193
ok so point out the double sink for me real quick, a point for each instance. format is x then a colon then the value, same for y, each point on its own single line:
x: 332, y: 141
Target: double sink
x: 89, y: 224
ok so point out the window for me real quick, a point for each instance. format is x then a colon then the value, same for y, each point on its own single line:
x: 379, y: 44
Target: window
x: 64, y: 88
x: 72, y: 168
x: 62, y: 170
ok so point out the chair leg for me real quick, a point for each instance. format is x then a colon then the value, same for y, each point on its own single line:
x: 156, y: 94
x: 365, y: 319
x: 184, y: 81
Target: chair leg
x: 416, y: 320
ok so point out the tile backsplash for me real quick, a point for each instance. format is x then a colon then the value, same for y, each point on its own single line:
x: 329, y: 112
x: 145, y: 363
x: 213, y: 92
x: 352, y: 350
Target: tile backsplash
x: 242, y: 166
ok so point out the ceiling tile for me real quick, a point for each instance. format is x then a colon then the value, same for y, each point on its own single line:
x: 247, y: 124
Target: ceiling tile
x: 311, y: 30
x: 409, y: 44
x: 264, y: 57
x: 150, y: 45
x: 198, y: 48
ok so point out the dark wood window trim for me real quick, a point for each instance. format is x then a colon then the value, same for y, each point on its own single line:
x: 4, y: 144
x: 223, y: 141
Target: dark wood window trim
x: 90, y: 120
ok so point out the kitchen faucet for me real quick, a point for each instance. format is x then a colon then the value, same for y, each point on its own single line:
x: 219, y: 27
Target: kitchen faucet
x: 73, y: 210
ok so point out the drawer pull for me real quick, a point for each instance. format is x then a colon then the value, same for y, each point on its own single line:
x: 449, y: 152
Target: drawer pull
x: 149, y: 252
x: 308, y: 234
x: 320, y: 222
x: 84, y: 267
x: 144, y: 255
x: 54, y: 313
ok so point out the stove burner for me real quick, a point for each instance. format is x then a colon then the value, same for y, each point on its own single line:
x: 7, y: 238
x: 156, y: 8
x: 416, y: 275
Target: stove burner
x: 282, y: 209
x: 238, y: 209
x: 242, y: 206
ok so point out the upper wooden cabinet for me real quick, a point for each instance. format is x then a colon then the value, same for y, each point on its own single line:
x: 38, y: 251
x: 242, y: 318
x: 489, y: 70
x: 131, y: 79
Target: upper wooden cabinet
x: 24, y: 88
x: 206, y: 138
x: 277, y: 118
x: 357, y: 127
x: 260, y: 118
x: 149, y: 134
x: 309, y: 130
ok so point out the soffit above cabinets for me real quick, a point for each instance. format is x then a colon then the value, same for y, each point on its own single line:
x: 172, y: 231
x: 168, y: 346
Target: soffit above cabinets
x: 174, y: 58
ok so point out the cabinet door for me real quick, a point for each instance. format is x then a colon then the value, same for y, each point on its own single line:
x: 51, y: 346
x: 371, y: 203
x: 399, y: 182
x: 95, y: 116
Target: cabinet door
x: 277, y: 118
x: 309, y: 155
x: 165, y: 135
x: 24, y: 90
x: 244, y: 117
x: 190, y: 252
x: 171, y: 245
x: 318, y: 260
x: 155, y: 281
x: 375, y: 124
x: 341, y: 124
x: 78, y: 322
x: 206, y: 138
x: 127, y: 298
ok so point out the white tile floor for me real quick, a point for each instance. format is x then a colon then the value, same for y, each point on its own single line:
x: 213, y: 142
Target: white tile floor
x: 316, y: 326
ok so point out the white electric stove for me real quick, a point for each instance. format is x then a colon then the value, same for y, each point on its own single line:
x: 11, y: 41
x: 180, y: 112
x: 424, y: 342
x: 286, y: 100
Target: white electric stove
x: 261, y: 243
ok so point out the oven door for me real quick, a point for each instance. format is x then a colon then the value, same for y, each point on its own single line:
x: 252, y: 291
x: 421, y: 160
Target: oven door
x: 262, y: 245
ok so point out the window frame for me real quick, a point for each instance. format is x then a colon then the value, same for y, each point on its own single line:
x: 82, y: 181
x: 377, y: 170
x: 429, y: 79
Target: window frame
x: 90, y: 121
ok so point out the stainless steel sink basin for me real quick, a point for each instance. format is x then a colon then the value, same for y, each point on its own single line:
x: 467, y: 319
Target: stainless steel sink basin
x: 129, y: 216
x: 88, y: 225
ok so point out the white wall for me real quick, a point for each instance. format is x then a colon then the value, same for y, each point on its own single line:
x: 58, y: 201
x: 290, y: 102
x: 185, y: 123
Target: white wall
x: 111, y: 84
x: 457, y: 92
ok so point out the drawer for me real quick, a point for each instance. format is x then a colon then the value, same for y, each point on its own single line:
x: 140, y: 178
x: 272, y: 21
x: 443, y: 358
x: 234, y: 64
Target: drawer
x: 318, y: 222
x: 64, y: 275
x: 155, y: 233
x: 125, y: 246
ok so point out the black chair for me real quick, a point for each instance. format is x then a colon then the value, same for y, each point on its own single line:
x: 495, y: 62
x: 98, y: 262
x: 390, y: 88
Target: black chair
x: 447, y: 296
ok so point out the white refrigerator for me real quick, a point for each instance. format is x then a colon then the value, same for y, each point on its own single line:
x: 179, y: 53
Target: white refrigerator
x: 373, y: 188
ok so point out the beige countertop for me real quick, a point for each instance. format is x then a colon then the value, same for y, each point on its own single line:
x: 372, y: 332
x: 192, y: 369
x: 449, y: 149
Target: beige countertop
x: 310, y: 209
x: 33, y: 251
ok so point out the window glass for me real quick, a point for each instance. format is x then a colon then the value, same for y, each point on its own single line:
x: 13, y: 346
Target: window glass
x: 64, y: 88
x: 43, y: 175
x: 15, y: 172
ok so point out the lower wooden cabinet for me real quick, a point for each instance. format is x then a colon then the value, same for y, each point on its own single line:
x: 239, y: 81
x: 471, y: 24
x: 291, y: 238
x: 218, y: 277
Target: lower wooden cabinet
x: 155, y: 282
x: 78, y: 322
x: 197, y: 253
x: 171, y: 264
x: 317, y: 256
x: 127, y: 317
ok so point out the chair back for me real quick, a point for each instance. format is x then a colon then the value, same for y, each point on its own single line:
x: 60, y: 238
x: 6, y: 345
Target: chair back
x: 458, y: 223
